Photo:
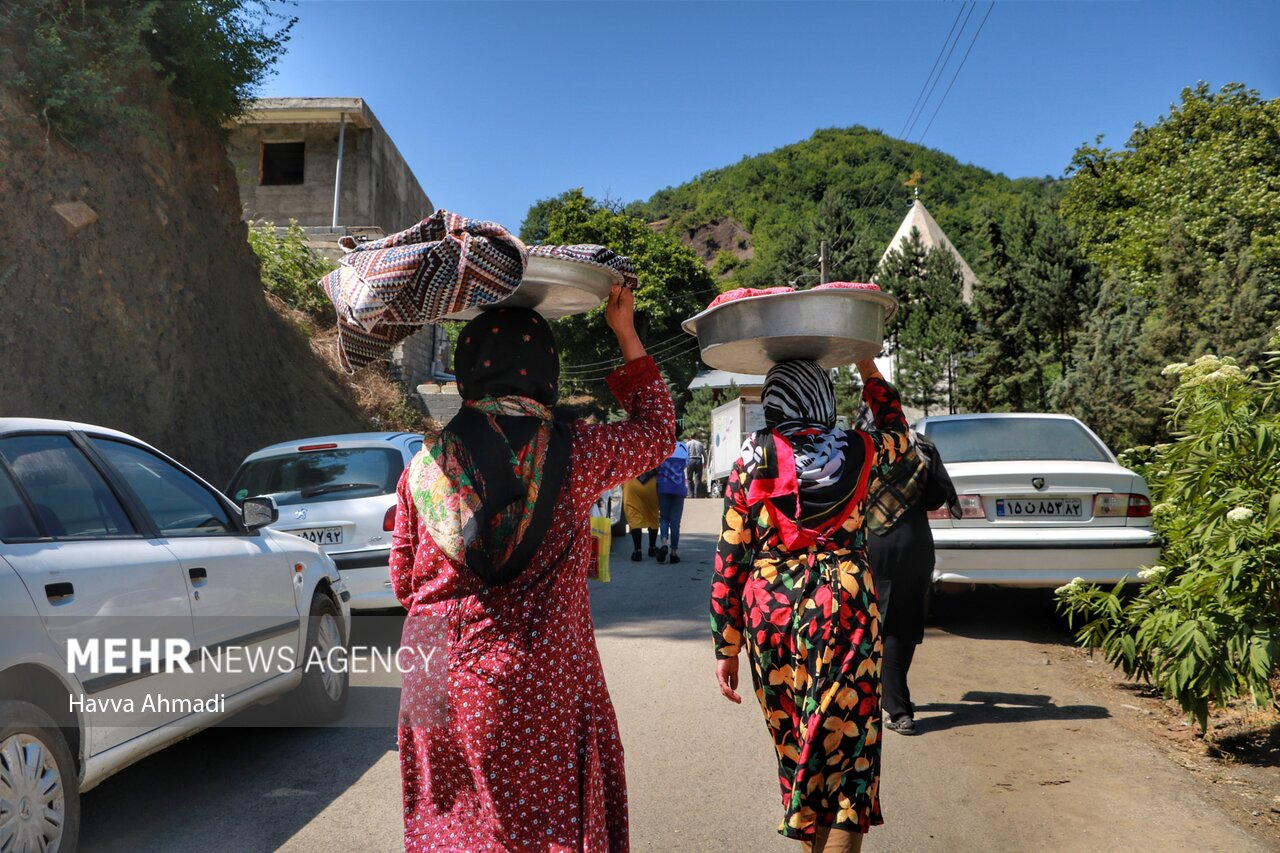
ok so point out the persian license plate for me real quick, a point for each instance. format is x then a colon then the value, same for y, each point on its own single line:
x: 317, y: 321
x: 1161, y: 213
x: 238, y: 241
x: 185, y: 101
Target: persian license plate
x: 321, y: 535
x: 1066, y: 508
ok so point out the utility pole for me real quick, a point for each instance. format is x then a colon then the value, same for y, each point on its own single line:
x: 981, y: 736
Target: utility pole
x: 822, y: 262
x: 337, y: 175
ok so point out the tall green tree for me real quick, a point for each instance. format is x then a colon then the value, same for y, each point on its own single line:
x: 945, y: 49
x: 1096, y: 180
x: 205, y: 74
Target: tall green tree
x: 1210, y: 161
x: 1172, y: 331
x: 674, y: 285
x: 928, y: 331
x: 1060, y: 286
x: 1108, y: 371
x: 1003, y: 372
x: 1238, y: 309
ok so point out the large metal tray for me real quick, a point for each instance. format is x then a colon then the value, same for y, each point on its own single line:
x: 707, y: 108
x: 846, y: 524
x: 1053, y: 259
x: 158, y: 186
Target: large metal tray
x: 831, y: 327
x: 555, y: 287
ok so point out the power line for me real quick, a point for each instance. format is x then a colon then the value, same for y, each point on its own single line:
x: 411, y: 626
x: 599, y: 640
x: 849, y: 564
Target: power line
x: 947, y: 91
x: 959, y: 68
x: 601, y: 373
x: 945, y: 63
x: 909, y: 124
x: 919, y: 104
x: 654, y: 349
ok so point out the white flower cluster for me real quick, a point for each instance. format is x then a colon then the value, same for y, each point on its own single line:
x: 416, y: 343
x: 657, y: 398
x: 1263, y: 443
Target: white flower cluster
x: 1154, y: 573
x: 1076, y: 584
x: 1240, y: 514
x: 1207, y: 370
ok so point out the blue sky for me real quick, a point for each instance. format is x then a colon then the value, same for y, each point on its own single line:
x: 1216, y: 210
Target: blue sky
x: 498, y: 104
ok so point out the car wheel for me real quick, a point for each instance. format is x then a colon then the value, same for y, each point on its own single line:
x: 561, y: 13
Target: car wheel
x: 39, y: 787
x: 322, y: 695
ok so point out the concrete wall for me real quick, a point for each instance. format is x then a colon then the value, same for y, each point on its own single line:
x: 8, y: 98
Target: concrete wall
x: 378, y: 188
x: 311, y: 202
x: 395, y: 200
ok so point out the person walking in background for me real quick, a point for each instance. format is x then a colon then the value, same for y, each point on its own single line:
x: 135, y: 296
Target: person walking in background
x: 671, y: 488
x: 792, y: 584
x: 640, y: 506
x: 489, y: 554
x: 902, y: 560
x: 697, y: 463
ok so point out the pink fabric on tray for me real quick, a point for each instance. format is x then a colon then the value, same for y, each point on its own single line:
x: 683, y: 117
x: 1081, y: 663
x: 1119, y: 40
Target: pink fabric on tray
x: 746, y: 292
x: 847, y: 285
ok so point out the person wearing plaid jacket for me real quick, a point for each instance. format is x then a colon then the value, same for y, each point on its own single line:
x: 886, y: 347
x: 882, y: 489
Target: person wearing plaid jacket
x: 900, y: 548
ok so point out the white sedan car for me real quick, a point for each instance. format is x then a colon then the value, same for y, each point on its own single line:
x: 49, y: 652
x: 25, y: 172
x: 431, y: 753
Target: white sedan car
x: 1044, y: 501
x: 338, y: 491
x: 137, y: 607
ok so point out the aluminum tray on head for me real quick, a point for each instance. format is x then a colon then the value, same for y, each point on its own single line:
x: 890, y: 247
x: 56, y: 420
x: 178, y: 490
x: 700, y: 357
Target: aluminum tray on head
x: 831, y: 327
x: 555, y: 287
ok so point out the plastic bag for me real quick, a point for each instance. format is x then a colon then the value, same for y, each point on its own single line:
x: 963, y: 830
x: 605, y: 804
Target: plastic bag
x: 601, y: 542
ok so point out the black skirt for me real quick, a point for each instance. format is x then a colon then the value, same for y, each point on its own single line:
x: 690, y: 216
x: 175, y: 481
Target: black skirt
x: 902, y: 563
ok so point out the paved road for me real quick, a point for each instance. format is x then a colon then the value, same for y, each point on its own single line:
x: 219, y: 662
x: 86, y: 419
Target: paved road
x: 1012, y: 755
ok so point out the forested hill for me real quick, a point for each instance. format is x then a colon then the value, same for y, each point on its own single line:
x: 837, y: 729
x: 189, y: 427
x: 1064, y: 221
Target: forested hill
x: 847, y: 186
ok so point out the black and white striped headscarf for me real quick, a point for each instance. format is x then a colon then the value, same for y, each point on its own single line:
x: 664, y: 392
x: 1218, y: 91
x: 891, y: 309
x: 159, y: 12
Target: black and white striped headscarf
x: 799, y: 395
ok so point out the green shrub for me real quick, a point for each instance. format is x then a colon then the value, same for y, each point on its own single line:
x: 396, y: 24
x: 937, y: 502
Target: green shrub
x: 290, y: 267
x: 80, y: 64
x: 1206, y: 626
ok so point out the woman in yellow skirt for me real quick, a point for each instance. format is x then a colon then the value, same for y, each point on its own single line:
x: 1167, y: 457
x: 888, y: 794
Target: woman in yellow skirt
x: 640, y: 505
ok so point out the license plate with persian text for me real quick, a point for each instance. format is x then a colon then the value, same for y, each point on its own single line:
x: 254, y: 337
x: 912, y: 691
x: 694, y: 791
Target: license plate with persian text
x: 321, y: 535
x: 1068, y: 508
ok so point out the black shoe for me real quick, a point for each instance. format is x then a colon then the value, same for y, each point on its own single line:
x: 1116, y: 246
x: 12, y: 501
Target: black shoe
x: 903, y: 725
x: 675, y: 558
x: 662, y: 554
x: 652, y: 550
x: 635, y: 556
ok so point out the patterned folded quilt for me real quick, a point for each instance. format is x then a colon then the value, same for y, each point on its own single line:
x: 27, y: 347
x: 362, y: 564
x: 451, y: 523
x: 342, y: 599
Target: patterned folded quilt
x: 590, y: 253
x: 385, y: 290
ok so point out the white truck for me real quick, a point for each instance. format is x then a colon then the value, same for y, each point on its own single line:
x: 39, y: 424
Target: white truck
x: 730, y: 425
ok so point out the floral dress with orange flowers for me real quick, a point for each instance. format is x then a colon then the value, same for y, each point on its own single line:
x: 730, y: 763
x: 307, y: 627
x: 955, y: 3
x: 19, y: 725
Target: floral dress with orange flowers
x: 811, y: 628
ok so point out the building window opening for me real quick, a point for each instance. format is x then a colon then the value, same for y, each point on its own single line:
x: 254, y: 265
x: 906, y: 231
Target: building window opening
x: 282, y: 163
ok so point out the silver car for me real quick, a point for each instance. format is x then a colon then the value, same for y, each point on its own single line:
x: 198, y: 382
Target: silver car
x: 1043, y: 501
x: 106, y: 544
x: 338, y: 491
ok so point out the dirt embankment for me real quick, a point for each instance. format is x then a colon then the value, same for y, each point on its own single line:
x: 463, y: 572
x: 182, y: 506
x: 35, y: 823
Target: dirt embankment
x: 713, y: 237
x: 150, y: 318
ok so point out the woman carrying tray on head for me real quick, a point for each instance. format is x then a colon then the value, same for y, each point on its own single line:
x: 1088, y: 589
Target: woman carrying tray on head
x: 491, y: 544
x: 793, y: 585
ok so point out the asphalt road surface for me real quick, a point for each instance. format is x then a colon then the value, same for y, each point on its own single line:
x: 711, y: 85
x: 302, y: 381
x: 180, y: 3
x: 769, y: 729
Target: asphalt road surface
x: 1012, y: 754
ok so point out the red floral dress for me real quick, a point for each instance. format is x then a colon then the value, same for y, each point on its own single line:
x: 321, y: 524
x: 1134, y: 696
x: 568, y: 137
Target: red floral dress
x: 812, y: 631
x: 527, y: 756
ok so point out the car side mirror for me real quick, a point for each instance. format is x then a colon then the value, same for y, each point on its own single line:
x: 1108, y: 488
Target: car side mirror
x: 259, y: 512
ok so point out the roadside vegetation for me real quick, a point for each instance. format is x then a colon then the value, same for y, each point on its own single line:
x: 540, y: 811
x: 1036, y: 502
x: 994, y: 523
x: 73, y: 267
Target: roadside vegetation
x: 85, y: 69
x: 290, y: 272
x: 1205, y: 629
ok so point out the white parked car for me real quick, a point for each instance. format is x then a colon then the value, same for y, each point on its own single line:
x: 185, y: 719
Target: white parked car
x: 116, y: 563
x: 338, y: 491
x: 1044, y: 501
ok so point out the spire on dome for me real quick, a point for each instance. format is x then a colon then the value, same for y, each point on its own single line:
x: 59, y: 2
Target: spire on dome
x: 931, y: 237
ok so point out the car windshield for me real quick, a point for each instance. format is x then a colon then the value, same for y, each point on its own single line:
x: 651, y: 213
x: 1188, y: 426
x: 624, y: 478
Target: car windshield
x: 314, y: 476
x: 1014, y: 439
